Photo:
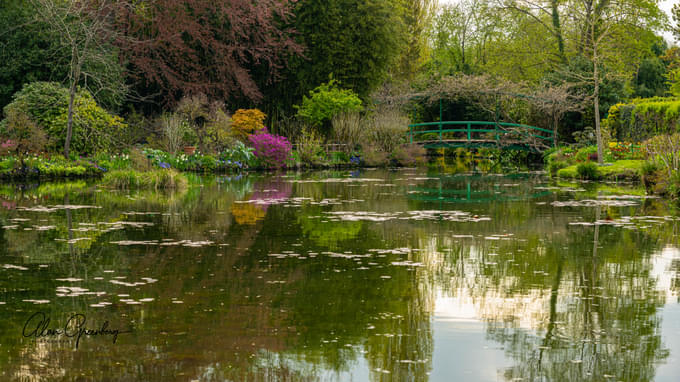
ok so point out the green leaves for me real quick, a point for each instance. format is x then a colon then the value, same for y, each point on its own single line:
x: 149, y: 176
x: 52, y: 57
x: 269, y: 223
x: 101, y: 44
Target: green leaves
x: 326, y: 101
x: 47, y: 104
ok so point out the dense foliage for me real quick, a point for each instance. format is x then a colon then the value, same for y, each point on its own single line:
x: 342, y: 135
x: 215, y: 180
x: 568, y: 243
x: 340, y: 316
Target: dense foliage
x: 354, y: 40
x: 46, y: 103
x: 643, y: 118
x: 27, y: 51
x: 325, y: 102
x: 208, y: 76
x: 206, y: 46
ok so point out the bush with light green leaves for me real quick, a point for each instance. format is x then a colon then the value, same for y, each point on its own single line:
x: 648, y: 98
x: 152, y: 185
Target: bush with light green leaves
x: 327, y: 101
x: 46, y: 103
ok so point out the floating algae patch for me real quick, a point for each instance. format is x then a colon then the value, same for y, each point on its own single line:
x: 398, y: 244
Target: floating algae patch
x: 454, y: 216
x: 72, y: 291
x: 407, y: 263
x: 629, y: 222
x: 136, y: 242
x: 595, y: 203
x: 339, y: 180
x: 165, y: 243
x: 48, y: 209
x: 17, y: 267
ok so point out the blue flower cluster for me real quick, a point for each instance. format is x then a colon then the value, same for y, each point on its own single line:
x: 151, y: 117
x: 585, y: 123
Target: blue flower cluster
x: 98, y: 167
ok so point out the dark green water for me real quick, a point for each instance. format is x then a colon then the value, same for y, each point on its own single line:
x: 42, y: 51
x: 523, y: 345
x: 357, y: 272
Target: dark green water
x: 338, y: 276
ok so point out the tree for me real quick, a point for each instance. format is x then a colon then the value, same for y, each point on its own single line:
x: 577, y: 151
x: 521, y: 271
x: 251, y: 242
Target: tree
x: 459, y: 36
x: 576, y: 76
x: 212, y: 47
x: 613, y: 35
x: 354, y: 40
x: 605, y: 28
x: 651, y: 78
x: 547, y: 14
x: 28, y: 52
x: 675, y: 14
x: 85, y: 31
x: 417, y: 17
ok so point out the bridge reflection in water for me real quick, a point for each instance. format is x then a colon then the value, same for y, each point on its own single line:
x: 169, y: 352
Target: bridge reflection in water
x: 474, y: 190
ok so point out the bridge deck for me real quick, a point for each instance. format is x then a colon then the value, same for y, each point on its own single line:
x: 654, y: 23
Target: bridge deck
x: 474, y: 134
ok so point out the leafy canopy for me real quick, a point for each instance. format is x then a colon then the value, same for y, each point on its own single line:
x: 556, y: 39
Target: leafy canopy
x: 206, y: 46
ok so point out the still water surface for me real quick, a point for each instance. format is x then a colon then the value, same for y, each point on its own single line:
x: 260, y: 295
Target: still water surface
x: 401, y: 275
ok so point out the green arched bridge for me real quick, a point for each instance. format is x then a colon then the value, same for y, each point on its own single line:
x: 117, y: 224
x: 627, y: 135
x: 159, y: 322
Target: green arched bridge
x: 477, y: 134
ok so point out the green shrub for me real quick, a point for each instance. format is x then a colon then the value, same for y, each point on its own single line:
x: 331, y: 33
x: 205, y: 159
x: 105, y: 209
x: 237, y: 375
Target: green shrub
x: 238, y: 153
x: 327, y: 101
x: 46, y: 103
x: 217, y: 133
x: 209, y: 125
x: 20, y: 135
x: 207, y: 163
x: 588, y: 170
x: 665, y: 150
x: 139, y: 160
x: 347, y: 129
x: 339, y: 158
x: 386, y: 129
x: 649, y: 174
x: 374, y: 157
x: 586, y: 154
x: 555, y: 166
x: 7, y: 163
x: 648, y: 168
x: 310, y: 151
x: 674, y: 185
x: 585, y: 137
x: 644, y: 118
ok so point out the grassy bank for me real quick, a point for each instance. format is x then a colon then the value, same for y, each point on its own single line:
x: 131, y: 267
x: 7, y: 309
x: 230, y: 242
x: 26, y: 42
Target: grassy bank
x: 654, y: 163
x: 154, y: 180
x: 628, y: 169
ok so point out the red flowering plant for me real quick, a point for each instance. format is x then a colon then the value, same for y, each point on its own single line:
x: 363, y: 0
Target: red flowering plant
x: 272, y: 151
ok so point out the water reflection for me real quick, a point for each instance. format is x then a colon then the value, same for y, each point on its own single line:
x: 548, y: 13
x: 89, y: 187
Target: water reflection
x: 399, y: 275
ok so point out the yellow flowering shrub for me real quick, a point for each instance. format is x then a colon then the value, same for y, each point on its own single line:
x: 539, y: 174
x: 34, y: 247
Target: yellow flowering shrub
x: 247, y: 121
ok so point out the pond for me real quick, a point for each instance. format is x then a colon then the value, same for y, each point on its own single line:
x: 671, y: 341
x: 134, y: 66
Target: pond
x: 403, y: 275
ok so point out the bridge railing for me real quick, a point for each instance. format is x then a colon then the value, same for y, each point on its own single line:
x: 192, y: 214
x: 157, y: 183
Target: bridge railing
x: 469, y: 132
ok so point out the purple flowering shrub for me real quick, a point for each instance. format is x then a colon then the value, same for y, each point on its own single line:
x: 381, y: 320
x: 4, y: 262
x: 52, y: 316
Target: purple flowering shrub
x: 271, y: 150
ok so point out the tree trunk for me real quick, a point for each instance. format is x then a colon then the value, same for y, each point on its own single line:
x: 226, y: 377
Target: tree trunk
x: 598, y: 131
x: 69, y: 123
x: 76, y: 64
x: 555, y: 126
x: 558, y: 29
x: 596, y: 102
